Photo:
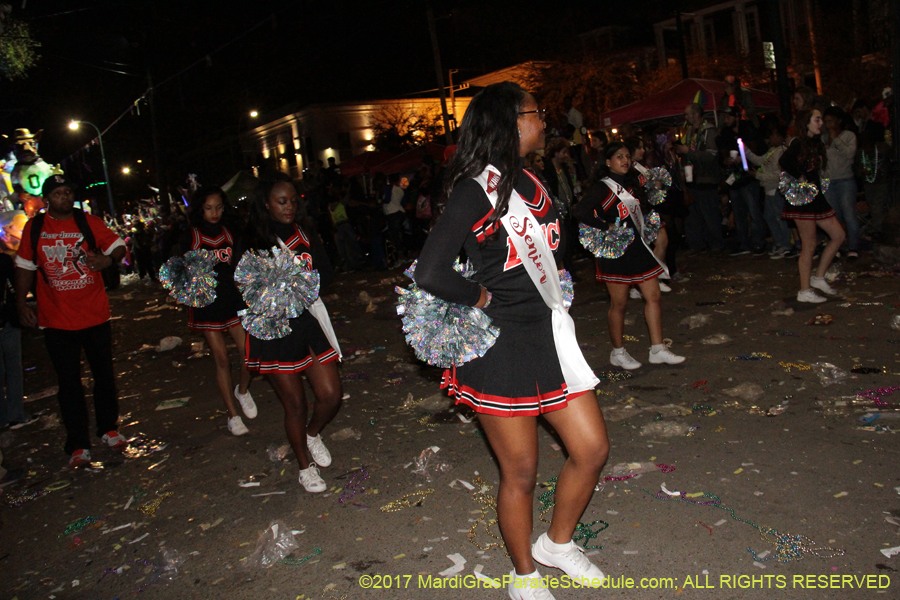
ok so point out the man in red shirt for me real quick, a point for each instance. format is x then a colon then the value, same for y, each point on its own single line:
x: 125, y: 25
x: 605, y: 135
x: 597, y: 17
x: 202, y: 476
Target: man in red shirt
x: 73, y: 310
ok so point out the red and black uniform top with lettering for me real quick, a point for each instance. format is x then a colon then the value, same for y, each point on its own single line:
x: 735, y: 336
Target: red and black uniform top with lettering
x: 520, y: 375
x: 818, y: 209
x: 221, y: 315
x: 600, y: 208
x: 306, y: 342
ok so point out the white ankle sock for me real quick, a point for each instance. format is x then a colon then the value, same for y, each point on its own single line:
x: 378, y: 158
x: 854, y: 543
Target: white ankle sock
x: 618, y: 351
x: 554, y: 547
x: 310, y: 438
x: 657, y: 348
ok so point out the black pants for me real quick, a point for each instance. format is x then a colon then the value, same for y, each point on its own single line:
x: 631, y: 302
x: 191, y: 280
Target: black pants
x: 64, y: 348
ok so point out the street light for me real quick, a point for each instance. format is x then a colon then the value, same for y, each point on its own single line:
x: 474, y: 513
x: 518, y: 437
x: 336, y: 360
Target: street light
x: 126, y: 170
x: 254, y: 114
x: 73, y: 125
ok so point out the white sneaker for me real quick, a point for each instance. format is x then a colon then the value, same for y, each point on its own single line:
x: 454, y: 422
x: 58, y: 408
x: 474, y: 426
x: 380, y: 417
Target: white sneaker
x: 820, y: 284
x: 624, y: 360
x: 635, y: 294
x: 809, y: 296
x: 237, y: 427
x: 524, y: 591
x: 665, y: 357
x: 572, y: 561
x: 247, y: 403
x: 663, y: 286
x: 311, y: 480
x: 318, y: 451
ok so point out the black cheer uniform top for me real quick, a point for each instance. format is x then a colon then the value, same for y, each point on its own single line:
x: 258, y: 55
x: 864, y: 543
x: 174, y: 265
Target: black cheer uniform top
x: 520, y: 375
x: 221, y: 314
x: 295, y: 352
x: 819, y: 208
x: 599, y: 209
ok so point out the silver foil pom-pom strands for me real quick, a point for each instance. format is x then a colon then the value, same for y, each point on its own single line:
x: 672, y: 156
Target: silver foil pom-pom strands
x: 276, y: 289
x: 443, y: 334
x: 799, y: 193
x: 191, y: 279
x: 651, y: 227
x: 606, y: 244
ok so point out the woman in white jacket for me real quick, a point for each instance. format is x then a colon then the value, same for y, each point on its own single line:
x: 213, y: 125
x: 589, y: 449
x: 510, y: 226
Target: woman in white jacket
x: 841, y: 195
x: 768, y: 172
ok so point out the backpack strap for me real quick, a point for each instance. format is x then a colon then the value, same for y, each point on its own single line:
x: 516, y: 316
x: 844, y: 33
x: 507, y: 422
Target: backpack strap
x: 85, y: 229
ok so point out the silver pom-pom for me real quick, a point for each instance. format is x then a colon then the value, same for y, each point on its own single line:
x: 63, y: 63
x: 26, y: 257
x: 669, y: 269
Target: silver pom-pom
x: 606, y: 244
x: 567, y: 287
x: 800, y: 193
x: 441, y: 333
x: 191, y: 279
x: 276, y: 288
x: 658, y: 184
x: 651, y: 227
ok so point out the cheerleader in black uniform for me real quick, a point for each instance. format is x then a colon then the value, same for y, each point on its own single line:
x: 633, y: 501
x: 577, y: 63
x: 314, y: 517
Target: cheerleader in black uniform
x: 804, y: 160
x: 638, y: 151
x: 601, y: 206
x: 209, y: 208
x: 521, y: 376
x: 307, y: 348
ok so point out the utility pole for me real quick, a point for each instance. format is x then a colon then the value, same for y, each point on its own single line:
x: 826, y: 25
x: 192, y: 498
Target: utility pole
x: 440, y: 74
x: 812, y: 44
x: 781, y: 78
x: 679, y: 30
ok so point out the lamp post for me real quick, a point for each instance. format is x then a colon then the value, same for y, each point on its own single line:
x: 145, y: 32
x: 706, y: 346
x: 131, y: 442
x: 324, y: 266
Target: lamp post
x: 73, y: 125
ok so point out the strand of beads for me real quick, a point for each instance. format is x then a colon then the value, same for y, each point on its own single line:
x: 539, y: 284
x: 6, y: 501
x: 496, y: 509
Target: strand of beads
x: 354, y: 486
x: 487, y: 503
x: 876, y: 395
x: 148, y: 508
x: 79, y: 525
x: 583, y: 531
x: 300, y: 561
x: 787, y: 366
x: 406, y: 502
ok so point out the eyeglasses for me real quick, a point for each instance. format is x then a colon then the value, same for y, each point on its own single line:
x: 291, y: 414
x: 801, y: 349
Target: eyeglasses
x: 540, y: 112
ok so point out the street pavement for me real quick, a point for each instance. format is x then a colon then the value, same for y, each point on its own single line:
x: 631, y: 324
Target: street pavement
x: 768, y: 484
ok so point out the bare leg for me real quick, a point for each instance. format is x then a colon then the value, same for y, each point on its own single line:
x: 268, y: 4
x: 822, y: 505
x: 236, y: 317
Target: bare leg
x: 514, y: 441
x: 662, y: 242
x: 807, y: 231
x: 289, y: 387
x: 652, y: 309
x: 834, y: 230
x: 615, y: 318
x: 326, y: 384
x: 583, y: 431
x: 217, y: 347
x: 239, y: 337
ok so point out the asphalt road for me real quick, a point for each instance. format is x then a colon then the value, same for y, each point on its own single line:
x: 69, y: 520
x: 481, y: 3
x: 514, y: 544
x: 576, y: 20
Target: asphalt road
x: 808, y: 488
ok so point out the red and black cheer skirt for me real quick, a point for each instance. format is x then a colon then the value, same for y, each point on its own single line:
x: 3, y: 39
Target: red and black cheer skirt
x: 519, y: 376
x: 817, y: 210
x: 221, y: 315
x: 292, y: 353
x: 635, y: 266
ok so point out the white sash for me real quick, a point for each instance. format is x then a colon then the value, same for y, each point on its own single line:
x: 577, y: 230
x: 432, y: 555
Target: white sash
x: 537, y: 258
x: 637, y: 217
x: 317, y: 309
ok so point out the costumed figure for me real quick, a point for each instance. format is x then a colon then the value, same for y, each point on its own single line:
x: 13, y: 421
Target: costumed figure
x: 506, y: 222
x: 30, y: 172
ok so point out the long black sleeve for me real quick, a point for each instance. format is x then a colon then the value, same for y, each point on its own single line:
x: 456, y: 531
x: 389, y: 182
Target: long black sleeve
x: 590, y: 210
x: 790, y: 160
x: 434, y: 269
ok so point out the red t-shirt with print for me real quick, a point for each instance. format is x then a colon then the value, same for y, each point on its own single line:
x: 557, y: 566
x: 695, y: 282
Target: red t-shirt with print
x: 69, y: 295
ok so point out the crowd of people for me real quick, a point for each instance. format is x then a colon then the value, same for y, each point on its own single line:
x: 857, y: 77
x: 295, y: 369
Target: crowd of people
x: 513, y: 203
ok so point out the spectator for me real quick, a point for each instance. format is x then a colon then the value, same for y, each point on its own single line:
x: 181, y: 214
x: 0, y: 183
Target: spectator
x: 392, y: 204
x: 70, y: 248
x: 873, y: 163
x: 700, y: 164
x: 575, y: 119
x: 841, y: 195
x: 12, y: 411
x: 741, y: 99
x: 743, y: 188
x: 768, y: 174
x: 862, y: 119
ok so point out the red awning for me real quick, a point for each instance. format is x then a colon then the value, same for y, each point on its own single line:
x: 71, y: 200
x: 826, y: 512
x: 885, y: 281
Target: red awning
x: 672, y: 102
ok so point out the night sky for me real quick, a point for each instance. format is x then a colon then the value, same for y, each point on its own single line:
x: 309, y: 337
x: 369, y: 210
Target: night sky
x: 264, y: 55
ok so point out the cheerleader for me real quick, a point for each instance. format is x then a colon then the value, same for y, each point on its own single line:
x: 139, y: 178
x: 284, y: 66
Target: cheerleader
x: 311, y: 347
x: 606, y: 201
x: 209, y: 208
x: 804, y: 159
x: 506, y: 222
x: 638, y: 152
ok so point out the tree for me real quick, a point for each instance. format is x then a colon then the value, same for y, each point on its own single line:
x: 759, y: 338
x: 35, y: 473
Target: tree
x: 397, y: 129
x: 17, y: 49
